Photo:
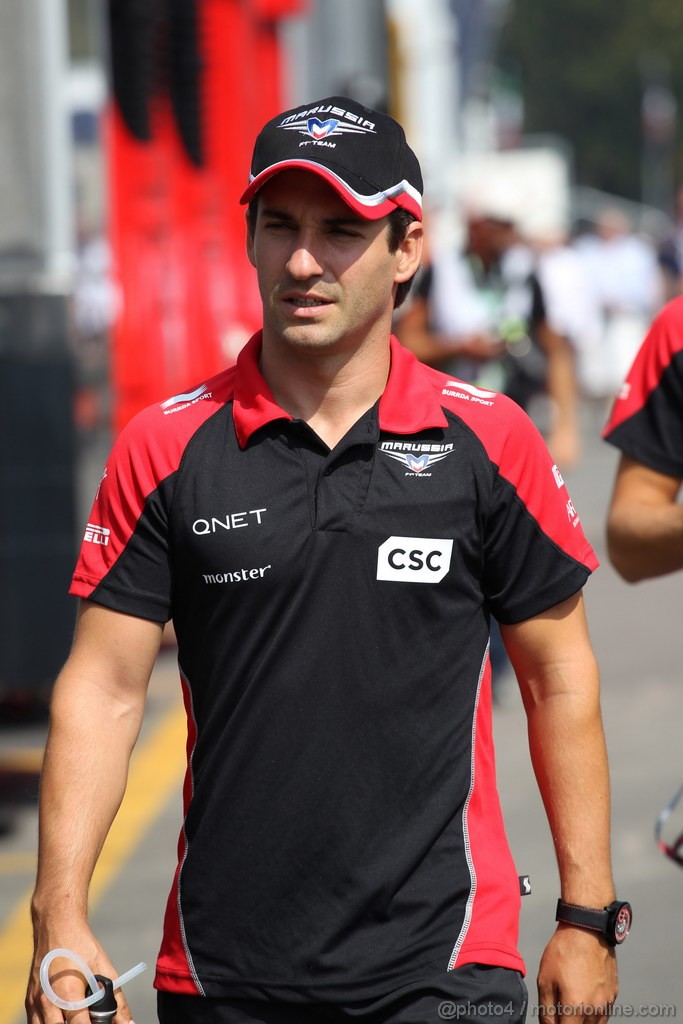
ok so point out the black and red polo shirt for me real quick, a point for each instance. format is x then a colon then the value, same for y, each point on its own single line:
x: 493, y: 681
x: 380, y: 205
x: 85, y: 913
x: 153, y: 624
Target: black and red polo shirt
x: 342, y: 833
x: 646, y: 422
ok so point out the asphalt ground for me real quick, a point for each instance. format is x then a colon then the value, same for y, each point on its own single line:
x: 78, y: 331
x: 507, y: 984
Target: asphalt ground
x: 637, y: 634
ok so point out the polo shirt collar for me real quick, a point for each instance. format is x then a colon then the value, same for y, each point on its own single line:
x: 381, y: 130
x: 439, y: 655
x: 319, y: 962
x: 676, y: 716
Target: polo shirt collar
x: 253, y: 404
x: 411, y: 400
x: 409, y: 403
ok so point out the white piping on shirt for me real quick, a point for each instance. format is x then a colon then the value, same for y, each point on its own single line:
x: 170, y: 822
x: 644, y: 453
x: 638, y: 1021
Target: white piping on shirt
x: 465, y: 829
x: 186, y: 946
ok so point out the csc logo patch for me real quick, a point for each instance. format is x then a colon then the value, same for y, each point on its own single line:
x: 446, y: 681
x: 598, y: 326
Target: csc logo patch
x: 414, y: 559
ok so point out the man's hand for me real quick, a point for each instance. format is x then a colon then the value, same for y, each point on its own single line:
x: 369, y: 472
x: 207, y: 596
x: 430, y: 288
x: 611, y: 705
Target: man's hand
x: 578, y: 973
x: 564, y: 444
x: 66, y: 979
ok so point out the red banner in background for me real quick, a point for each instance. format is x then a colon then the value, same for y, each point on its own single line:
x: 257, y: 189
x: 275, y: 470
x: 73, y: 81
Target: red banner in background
x: 208, y: 74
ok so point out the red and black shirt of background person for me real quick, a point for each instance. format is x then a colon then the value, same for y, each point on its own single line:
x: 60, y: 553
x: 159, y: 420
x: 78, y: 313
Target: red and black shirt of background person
x: 646, y: 422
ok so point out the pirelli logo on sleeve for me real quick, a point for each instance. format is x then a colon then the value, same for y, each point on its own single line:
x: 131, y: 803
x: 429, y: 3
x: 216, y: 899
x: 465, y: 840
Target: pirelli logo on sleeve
x: 414, y: 559
x: 97, y: 535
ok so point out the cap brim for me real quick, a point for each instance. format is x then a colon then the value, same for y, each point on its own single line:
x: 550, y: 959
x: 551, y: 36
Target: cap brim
x: 370, y: 207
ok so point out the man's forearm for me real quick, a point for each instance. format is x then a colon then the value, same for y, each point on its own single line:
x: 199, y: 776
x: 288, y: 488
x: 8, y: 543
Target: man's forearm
x: 84, y: 777
x: 569, y: 758
x: 578, y: 968
x: 564, y: 436
x: 645, y: 540
x: 560, y: 686
x: 561, y: 379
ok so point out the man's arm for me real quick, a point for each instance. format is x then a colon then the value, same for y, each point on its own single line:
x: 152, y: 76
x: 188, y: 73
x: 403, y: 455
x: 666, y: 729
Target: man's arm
x: 412, y: 328
x: 558, y: 677
x: 96, y: 712
x: 563, y: 440
x: 645, y: 524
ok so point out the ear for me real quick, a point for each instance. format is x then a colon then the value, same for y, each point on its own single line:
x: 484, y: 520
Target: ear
x: 409, y: 252
x: 250, y: 243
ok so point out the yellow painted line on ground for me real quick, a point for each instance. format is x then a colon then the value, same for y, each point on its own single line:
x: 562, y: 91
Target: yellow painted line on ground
x: 11, y: 863
x: 156, y: 769
x: 25, y: 759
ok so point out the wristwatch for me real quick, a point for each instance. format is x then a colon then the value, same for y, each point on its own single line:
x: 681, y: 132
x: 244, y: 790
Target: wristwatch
x: 613, y: 922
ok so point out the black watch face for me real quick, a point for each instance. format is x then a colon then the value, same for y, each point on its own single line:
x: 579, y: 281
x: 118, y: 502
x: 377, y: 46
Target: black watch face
x: 622, y: 923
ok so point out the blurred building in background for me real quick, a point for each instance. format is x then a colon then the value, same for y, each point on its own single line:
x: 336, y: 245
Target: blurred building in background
x: 37, y: 453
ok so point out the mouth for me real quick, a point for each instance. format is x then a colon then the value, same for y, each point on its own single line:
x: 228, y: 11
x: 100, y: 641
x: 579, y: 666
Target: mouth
x: 306, y: 301
x: 306, y: 305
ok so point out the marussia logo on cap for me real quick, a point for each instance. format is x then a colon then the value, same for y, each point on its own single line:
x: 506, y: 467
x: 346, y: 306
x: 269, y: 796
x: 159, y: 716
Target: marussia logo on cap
x: 339, y: 122
x: 321, y: 129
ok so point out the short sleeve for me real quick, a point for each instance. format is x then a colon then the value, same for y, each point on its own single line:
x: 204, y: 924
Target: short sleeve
x: 124, y: 557
x: 535, y: 552
x: 646, y: 422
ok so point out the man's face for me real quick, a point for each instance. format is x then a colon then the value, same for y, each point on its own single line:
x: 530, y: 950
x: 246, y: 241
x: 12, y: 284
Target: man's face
x: 326, y: 276
x: 488, y: 238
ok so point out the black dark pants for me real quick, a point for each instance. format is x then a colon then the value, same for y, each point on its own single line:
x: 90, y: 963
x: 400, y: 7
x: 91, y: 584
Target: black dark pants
x: 475, y: 994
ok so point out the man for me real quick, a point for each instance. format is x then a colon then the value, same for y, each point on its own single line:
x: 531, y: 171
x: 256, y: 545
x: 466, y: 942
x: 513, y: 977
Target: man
x: 626, y: 282
x: 645, y: 522
x: 330, y: 524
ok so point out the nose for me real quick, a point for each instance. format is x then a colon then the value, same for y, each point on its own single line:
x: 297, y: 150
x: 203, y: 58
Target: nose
x: 304, y: 260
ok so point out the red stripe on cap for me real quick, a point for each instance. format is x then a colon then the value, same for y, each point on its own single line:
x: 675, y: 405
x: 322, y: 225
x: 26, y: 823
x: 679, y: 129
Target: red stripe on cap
x: 369, y: 210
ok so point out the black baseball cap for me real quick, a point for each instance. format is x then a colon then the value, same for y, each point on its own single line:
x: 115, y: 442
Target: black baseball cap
x: 361, y: 153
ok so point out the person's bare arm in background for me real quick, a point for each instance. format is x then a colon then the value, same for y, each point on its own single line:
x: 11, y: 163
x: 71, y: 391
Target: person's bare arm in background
x: 645, y: 522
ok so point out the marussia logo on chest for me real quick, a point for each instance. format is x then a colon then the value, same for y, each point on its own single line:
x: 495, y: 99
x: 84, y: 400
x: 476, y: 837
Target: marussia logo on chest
x: 417, y: 458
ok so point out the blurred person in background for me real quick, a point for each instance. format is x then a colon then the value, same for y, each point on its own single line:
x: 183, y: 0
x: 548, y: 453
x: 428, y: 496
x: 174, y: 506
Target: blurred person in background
x: 670, y: 252
x: 96, y: 302
x: 572, y: 316
x: 481, y: 314
x: 645, y: 519
x: 622, y: 269
x: 446, y: 321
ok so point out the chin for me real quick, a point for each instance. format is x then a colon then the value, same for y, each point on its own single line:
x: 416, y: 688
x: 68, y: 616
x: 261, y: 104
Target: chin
x: 308, y: 340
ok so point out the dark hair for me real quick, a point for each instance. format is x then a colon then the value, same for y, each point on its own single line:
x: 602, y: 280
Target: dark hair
x: 252, y: 213
x: 399, y: 222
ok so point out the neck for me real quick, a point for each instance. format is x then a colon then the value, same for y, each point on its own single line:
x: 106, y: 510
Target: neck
x: 329, y: 391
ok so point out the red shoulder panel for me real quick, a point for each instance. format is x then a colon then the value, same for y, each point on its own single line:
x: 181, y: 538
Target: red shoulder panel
x: 515, y: 446
x: 662, y: 342
x: 147, y: 451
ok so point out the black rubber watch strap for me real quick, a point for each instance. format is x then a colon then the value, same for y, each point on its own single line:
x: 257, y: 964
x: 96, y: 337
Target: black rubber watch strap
x: 613, y: 922
x: 585, y: 917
